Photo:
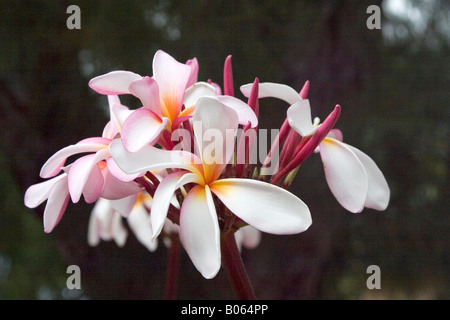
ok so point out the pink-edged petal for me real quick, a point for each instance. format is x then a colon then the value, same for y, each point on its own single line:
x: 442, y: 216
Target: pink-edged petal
x: 172, y: 78
x: 56, y: 205
x: 110, y: 130
x: 114, y: 82
x: 119, y: 113
x: 146, y: 89
x: 193, y: 63
x: 299, y: 117
x: 264, y: 206
x: 80, y: 171
x: 243, y: 110
x: 215, y: 127
x: 139, y: 223
x: 163, y: 197
x: 140, y: 128
x: 38, y: 193
x: 151, y: 158
x: 196, y: 91
x: 94, y: 185
x: 378, y: 193
x: 273, y: 90
x: 55, y: 163
x: 345, y: 174
x: 115, y: 189
x: 118, y: 173
x: 199, y: 231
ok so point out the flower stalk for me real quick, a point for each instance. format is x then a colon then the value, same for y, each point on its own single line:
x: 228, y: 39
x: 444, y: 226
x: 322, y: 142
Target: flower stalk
x: 235, y: 269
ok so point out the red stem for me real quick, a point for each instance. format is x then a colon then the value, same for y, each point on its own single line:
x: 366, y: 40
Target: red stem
x: 235, y: 269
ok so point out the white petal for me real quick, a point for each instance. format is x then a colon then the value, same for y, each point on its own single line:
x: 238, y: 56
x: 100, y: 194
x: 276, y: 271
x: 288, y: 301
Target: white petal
x: 274, y: 90
x: 196, y: 91
x: 81, y: 170
x: 119, y: 113
x: 118, y: 173
x: 172, y: 78
x: 113, y: 83
x: 38, y: 193
x: 378, y: 193
x: 54, y: 164
x: 119, y: 232
x: 243, y: 110
x: 56, y: 205
x: 139, y: 222
x: 151, y: 158
x: 163, y: 197
x: 124, y: 205
x: 140, y: 128
x: 345, y: 174
x: 265, y: 206
x: 299, y: 117
x: 215, y: 126
x: 199, y: 231
x: 146, y: 89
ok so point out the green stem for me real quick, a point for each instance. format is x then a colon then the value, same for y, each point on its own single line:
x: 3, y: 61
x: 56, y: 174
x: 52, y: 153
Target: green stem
x: 235, y: 269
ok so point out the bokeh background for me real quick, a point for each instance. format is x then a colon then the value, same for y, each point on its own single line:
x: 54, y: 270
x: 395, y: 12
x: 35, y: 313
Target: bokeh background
x: 393, y: 85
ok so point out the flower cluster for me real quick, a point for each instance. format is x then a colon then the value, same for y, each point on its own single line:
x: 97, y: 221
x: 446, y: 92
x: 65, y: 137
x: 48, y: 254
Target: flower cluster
x: 182, y: 163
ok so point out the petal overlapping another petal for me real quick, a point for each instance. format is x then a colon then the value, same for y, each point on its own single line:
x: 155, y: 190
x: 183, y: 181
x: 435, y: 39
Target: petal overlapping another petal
x: 378, y: 193
x: 299, y: 117
x: 172, y: 78
x: 163, y: 197
x: 151, y: 158
x: 345, y: 174
x: 55, y: 163
x: 199, y: 231
x: 140, y: 128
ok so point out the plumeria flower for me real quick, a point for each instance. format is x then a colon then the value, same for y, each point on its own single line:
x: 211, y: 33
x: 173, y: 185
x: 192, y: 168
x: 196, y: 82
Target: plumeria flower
x: 55, y: 191
x: 93, y: 175
x: 266, y: 207
x: 106, y: 222
x: 352, y: 176
x: 168, y: 98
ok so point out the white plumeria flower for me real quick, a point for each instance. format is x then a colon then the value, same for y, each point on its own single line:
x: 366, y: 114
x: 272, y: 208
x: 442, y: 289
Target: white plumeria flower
x: 266, y: 207
x: 106, y: 221
x: 352, y: 176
